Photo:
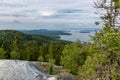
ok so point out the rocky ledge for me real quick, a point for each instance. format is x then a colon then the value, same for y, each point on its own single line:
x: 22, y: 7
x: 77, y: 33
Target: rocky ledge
x: 20, y: 70
x: 26, y: 70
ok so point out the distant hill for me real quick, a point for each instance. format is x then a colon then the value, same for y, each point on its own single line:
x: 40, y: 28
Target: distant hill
x: 7, y: 37
x: 49, y: 33
x: 89, y: 30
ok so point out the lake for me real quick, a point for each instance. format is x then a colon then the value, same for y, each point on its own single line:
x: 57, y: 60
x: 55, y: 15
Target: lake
x: 77, y: 35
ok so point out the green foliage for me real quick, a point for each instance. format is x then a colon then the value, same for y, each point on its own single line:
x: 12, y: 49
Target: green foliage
x: 115, y: 76
x: 43, y: 51
x: 15, y: 55
x: 103, y: 63
x: 73, y: 56
x: 108, y: 39
x: 89, y: 69
x: 30, y: 51
x: 17, y: 45
x: 51, y: 52
x: 97, y: 23
x: 2, y: 54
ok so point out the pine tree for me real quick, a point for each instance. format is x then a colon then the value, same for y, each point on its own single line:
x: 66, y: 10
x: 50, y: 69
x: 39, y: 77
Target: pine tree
x: 73, y: 56
x: 16, y: 46
x: 2, y: 54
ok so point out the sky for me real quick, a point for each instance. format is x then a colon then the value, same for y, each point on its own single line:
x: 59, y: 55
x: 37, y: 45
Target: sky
x: 48, y: 14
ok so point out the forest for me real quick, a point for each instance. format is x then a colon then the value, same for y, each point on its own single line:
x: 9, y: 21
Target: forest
x: 96, y: 60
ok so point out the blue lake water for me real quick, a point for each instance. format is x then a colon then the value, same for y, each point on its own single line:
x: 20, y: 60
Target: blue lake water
x: 77, y: 35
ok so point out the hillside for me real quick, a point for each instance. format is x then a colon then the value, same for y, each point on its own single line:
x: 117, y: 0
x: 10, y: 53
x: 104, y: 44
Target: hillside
x: 7, y: 36
x: 50, y: 33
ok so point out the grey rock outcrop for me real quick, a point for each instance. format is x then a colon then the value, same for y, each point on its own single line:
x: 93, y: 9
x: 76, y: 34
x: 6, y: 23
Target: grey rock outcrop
x: 20, y: 70
x: 66, y: 76
x: 27, y: 70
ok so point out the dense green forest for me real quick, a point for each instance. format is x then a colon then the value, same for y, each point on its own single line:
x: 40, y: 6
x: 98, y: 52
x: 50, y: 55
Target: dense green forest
x: 17, y: 45
x: 96, y: 60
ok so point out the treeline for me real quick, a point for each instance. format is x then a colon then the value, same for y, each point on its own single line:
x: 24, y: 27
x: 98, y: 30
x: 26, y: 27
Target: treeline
x: 16, y: 45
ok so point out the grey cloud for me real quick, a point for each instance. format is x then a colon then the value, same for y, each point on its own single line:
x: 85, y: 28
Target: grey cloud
x: 14, y: 15
x: 71, y: 11
x: 7, y: 5
x: 68, y: 11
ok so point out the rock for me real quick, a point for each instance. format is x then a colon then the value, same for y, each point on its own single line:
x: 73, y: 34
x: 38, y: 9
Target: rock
x: 27, y: 70
x: 20, y: 70
x: 52, y: 78
x: 62, y: 76
x: 66, y: 76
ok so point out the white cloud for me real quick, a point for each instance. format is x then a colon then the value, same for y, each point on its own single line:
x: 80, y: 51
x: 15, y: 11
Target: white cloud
x: 47, y: 13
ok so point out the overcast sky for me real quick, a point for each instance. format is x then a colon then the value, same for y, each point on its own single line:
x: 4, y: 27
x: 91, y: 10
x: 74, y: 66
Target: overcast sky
x: 14, y: 12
